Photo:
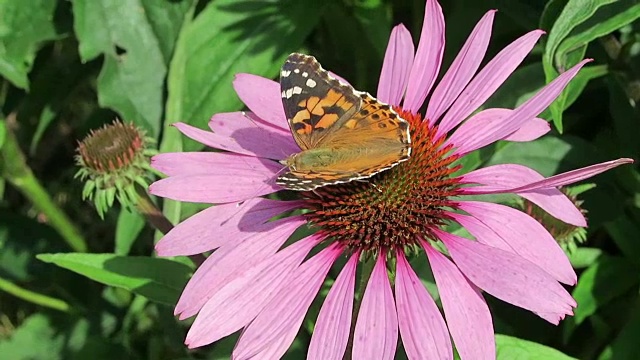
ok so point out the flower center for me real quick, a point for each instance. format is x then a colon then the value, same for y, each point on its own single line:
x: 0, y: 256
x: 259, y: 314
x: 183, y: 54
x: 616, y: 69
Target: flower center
x: 112, y: 147
x: 395, y: 207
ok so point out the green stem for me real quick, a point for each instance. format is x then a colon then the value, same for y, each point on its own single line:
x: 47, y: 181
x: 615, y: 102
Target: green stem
x: 14, y: 168
x: 33, y: 297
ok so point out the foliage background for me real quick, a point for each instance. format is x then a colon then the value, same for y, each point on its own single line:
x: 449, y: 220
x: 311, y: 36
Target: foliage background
x: 70, y: 66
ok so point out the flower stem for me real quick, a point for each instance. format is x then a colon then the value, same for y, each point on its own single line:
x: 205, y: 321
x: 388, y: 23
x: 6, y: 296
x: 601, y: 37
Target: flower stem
x: 367, y: 269
x: 33, y: 297
x: 14, y: 168
x: 156, y: 218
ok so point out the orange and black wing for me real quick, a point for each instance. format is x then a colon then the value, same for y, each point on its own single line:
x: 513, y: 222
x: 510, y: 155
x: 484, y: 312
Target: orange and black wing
x: 314, y: 102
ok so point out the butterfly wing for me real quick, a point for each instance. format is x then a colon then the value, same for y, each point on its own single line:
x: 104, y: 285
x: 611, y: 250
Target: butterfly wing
x: 313, y: 100
x: 374, y: 139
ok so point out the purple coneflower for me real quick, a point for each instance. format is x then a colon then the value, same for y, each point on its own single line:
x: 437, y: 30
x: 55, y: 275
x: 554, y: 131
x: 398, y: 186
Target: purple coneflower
x: 253, y: 281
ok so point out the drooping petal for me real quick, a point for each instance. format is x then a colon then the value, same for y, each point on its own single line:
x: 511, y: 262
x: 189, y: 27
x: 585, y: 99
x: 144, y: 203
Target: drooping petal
x: 229, y: 262
x: 527, y: 111
x: 396, y: 66
x: 331, y: 334
x: 523, y: 235
x: 244, y: 177
x: 426, y: 64
x: 252, y: 137
x: 263, y: 97
x: 509, y: 176
x: 226, y: 224
x: 507, y: 276
x: 462, y: 68
x: 465, y: 309
x: 568, y: 177
x: 241, y: 299
x: 489, y: 119
x: 277, y: 325
x: 376, y: 332
x: 423, y: 330
x: 488, y: 80
x: 200, y: 163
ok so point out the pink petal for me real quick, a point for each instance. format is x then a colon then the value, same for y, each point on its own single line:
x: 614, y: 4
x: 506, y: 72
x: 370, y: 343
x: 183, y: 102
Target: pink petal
x: 210, y: 139
x: 396, y: 66
x: 201, y: 163
x: 529, y: 131
x: 467, y: 313
x: 508, y: 277
x: 275, y: 328
x: 527, y: 111
x: 376, y: 332
x: 509, y: 176
x: 331, y: 333
x: 489, y: 119
x: 423, y: 330
x: 240, y: 300
x: 230, y: 262
x: 521, y: 234
x: 428, y: 57
x: 488, y: 80
x: 202, y: 231
x: 462, y: 68
x: 263, y: 97
x: 241, y: 178
x: 569, y: 177
x: 247, y: 136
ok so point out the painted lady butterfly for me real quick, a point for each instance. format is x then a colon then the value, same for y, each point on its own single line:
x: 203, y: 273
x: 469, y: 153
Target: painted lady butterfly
x: 344, y: 134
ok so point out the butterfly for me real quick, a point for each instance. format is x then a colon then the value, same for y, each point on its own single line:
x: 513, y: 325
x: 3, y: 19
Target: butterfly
x: 344, y: 134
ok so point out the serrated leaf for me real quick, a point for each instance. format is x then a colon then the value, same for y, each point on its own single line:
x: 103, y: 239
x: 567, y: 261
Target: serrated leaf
x: 512, y: 348
x: 160, y: 280
x: 129, y: 226
x: 608, y: 278
x: 227, y: 38
x: 24, y: 26
x: 132, y: 77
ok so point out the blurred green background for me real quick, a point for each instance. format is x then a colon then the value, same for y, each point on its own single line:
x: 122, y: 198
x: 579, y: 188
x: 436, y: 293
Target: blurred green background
x: 70, y: 66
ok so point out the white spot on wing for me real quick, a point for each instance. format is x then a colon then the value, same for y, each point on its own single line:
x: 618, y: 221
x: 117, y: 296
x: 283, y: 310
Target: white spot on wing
x: 289, y: 93
x: 284, y: 94
x: 296, y: 71
x: 297, y: 90
x: 285, y: 73
x: 311, y: 83
x: 305, y: 74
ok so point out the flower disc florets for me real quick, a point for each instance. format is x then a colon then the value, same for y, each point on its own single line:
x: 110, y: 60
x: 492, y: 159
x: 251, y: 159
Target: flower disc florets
x: 396, y: 207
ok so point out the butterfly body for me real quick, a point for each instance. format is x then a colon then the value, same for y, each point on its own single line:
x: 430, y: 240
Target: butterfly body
x: 343, y: 134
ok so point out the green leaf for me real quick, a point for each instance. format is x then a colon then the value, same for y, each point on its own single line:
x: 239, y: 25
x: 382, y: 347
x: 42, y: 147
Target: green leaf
x: 132, y: 77
x: 508, y: 348
x: 608, y: 278
x: 129, y: 226
x: 24, y: 26
x: 160, y: 280
x: 624, y: 116
x: 584, y: 257
x: 36, y: 338
x: 573, y: 14
x: 606, y: 20
x: 226, y: 38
